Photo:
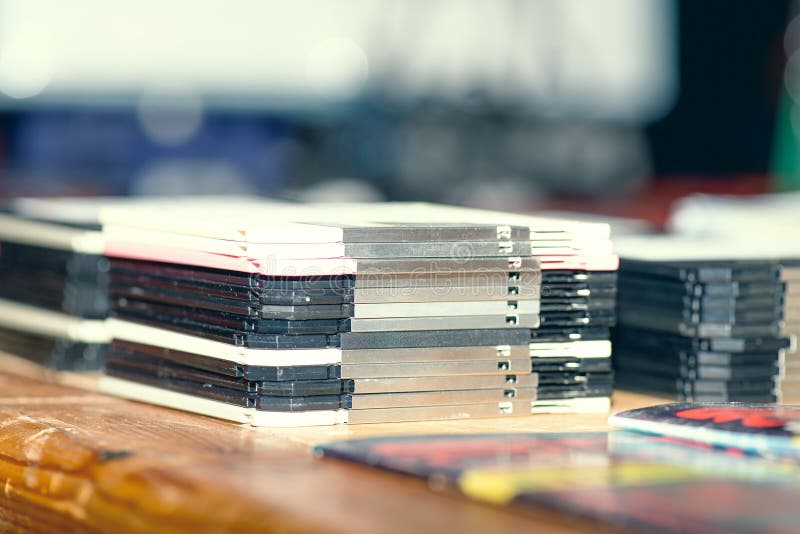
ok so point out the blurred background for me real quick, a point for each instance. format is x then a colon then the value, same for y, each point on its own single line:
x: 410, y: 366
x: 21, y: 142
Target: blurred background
x: 616, y: 107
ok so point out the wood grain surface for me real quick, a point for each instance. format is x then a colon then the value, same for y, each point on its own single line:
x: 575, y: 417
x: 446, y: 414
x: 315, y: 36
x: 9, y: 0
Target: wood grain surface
x: 72, y: 460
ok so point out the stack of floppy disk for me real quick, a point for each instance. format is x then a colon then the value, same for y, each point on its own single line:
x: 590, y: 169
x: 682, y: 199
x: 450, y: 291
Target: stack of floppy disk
x: 312, y: 314
x: 571, y: 349
x: 767, y: 224
x: 696, y: 325
x: 53, y: 291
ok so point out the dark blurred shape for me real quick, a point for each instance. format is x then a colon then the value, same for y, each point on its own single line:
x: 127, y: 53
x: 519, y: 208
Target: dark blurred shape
x: 103, y: 152
x: 731, y: 70
x: 505, y: 161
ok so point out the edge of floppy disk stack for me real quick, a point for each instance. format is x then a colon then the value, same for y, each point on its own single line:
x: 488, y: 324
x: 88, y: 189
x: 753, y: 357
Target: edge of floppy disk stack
x: 53, y: 288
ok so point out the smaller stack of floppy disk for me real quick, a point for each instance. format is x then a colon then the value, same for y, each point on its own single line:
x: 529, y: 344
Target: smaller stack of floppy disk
x: 696, y: 325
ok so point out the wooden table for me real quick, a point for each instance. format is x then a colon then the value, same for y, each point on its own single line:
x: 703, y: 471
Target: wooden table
x: 75, y: 460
